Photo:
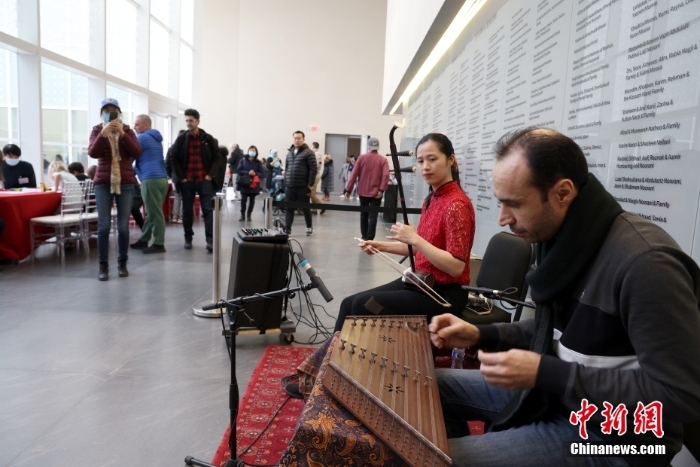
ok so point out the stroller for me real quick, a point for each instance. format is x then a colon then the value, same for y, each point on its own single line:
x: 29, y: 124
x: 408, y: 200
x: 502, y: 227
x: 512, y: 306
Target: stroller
x: 278, y: 194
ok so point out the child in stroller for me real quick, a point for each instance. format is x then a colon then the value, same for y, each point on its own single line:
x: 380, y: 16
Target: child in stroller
x: 278, y: 194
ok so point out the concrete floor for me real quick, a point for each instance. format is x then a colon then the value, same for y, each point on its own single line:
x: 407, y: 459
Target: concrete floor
x: 122, y: 372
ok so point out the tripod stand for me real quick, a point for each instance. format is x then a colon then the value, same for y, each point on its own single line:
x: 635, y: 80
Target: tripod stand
x: 234, y: 308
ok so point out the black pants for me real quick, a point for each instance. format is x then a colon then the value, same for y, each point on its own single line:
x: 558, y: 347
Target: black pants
x: 136, y: 212
x: 205, y: 189
x: 296, y: 194
x: 244, y: 199
x: 368, y: 220
x: 393, y: 299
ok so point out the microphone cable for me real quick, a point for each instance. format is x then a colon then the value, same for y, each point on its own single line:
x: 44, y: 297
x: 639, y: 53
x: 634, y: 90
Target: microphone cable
x: 313, y: 321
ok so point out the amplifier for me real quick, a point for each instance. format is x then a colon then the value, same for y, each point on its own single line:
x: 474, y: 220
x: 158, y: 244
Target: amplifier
x: 258, y: 267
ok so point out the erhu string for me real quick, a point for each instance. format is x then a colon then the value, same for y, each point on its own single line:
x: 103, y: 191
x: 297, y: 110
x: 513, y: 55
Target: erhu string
x: 408, y: 275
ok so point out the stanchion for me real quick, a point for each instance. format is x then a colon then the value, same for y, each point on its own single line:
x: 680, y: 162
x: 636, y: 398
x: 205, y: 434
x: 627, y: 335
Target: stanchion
x: 199, y: 308
x: 268, y: 212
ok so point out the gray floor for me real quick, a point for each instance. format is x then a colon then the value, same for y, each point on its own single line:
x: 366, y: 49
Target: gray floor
x: 121, y: 372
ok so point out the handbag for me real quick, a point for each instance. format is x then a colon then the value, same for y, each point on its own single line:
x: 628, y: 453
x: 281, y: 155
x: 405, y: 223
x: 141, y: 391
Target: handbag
x: 244, y: 180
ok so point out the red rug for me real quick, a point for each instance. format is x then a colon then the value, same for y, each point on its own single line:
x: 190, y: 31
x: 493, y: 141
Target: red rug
x: 267, y: 416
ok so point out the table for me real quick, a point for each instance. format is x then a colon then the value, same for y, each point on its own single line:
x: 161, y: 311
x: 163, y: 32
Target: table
x: 17, y: 209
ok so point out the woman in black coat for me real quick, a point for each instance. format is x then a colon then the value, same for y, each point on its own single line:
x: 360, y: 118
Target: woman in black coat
x: 252, y: 167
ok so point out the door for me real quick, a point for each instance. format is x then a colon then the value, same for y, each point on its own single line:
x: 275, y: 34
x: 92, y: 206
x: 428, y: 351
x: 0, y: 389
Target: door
x: 338, y: 146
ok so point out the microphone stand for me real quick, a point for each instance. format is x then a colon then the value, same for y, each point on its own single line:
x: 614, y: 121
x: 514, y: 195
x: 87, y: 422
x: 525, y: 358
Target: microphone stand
x: 234, y: 307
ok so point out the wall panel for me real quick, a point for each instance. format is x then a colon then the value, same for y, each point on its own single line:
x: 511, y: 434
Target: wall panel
x: 618, y: 76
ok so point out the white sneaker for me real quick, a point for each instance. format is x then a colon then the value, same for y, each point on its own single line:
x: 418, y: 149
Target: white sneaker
x: 309, y: 231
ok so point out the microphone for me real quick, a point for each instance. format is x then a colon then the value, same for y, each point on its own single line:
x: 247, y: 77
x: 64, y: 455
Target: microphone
x: 483, y: 290
x: 315, y: 280
x: 406, y: 169
x: 408, y: 153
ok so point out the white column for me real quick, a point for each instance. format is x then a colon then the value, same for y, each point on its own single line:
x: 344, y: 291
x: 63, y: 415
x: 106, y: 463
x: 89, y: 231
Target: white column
x: 98, y: 28
x: 143, y: 32
x: 28, y: 21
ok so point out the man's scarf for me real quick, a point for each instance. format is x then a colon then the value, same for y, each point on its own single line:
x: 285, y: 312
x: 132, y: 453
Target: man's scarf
x: 560, y: 264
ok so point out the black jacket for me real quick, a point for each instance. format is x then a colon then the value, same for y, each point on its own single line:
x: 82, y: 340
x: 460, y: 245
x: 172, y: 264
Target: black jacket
x: 234, y: 158
x: 211, y: 158
x: 245, y: 165
x: 300, y: 169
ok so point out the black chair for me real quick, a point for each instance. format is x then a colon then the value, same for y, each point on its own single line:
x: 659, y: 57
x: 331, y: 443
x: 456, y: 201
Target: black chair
x: 506, y: 261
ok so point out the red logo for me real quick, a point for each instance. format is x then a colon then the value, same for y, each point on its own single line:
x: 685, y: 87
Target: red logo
x: 646, y: 418
x: 582, y: 416
x: 614, y: 419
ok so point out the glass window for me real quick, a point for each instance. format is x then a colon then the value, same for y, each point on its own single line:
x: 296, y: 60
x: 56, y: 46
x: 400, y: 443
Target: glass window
x: 160, y: 53
x: 186, y: 57
x: 65, y: 28
x: 9, y: 115
x: 8, y: 17
x: 161, y: 10
x: 121, y: 39
x: 54, y: 86
x: 187, y: 21
x: 64, y: 113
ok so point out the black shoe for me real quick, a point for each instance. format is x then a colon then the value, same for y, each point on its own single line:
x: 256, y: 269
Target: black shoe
x: 210, y: 247
x: 153, y: 249
x: 293, y: 390
x: 249, y: 218
x: 322, y: 211
x: 104, y: 272
x: 188, y: 244
x: 121, y: 268
x: 242, y: 218
x: 139, y: 245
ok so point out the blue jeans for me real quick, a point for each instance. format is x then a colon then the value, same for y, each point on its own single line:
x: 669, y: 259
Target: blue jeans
x: 104, y: 198
x: 466, y: 396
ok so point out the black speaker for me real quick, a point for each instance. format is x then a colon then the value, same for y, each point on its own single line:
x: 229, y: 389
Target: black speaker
x: 258, y: 267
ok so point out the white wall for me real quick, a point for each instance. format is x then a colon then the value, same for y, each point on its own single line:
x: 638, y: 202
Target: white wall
x: 408, y: 22
x: 283, y: 66
x: 216, y: 68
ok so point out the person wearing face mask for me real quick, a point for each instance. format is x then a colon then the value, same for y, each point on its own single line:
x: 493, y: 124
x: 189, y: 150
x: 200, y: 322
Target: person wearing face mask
x: 252, y: 167
x: 115, y: 146
x: 441, y: 244
x: 17, y: 173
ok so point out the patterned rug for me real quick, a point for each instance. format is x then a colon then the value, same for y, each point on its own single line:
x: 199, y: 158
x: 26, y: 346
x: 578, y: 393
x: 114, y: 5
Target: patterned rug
x: 267, y: 416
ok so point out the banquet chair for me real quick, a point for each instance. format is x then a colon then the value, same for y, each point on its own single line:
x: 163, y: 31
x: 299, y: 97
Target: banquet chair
x: 89, y: 227
x: 506, y: 261
x: 64, y: 225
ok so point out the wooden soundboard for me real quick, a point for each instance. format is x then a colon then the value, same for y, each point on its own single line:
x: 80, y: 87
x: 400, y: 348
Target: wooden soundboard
x: 382, y: 371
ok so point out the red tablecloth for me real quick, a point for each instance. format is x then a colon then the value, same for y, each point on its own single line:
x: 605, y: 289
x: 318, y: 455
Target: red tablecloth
x: 18, y: 209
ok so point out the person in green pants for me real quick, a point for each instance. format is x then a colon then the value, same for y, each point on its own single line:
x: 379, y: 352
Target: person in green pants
x: 154, y: 186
